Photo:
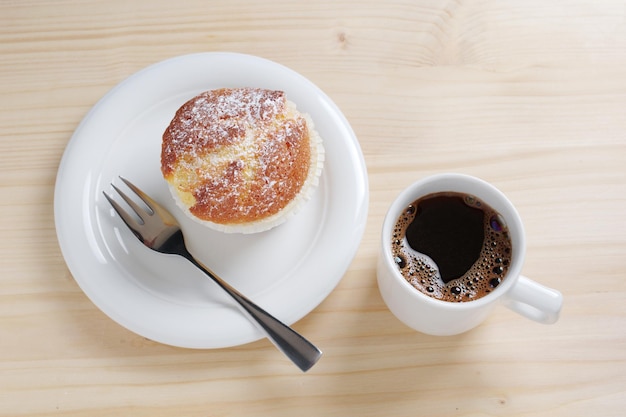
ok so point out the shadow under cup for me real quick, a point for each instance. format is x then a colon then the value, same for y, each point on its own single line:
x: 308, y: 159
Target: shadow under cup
x: 436, y: 317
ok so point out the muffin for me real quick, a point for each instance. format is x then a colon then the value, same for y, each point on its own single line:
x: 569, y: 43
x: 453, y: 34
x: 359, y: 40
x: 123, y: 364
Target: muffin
x: 241, y: 160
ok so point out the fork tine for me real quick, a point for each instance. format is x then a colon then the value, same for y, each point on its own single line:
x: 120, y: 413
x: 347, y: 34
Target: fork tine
x: 140, y: 211
x: 128, y: 219
x: 144, y: 197
x: 161, y: 212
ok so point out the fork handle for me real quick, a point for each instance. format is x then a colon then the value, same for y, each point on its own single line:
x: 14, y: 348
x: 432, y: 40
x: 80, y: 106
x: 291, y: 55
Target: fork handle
x: 301, y: 352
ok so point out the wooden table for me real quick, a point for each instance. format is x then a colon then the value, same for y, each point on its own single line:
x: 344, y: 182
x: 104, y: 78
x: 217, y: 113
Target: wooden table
x: 530, y: 96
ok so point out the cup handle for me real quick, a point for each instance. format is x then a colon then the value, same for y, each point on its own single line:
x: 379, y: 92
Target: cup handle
x: 534, y: 301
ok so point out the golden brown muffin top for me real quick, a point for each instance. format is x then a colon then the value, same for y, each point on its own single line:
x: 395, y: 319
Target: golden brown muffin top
x: 236, y: 155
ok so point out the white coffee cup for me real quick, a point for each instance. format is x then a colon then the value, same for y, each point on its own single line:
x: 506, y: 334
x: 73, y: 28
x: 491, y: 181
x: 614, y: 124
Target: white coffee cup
x: 436, y: 317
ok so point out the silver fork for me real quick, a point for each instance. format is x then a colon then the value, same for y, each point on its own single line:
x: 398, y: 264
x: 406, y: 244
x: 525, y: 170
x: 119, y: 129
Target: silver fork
x: 160, y: 231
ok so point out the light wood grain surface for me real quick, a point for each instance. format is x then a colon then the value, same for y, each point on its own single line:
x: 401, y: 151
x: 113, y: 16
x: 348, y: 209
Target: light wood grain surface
x: 529, y: 95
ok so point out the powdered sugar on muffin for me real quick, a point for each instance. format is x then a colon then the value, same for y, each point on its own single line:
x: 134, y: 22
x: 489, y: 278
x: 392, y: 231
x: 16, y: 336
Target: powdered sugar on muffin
x: 242, y: 159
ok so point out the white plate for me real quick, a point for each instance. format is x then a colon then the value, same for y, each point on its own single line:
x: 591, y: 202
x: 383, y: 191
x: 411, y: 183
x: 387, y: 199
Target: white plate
x: 288, y: 270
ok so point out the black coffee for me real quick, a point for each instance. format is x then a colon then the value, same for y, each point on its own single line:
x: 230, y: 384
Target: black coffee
x: 452, y: 246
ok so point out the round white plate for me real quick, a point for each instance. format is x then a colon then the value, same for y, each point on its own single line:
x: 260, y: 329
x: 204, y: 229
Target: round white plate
x: 288, y: 270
